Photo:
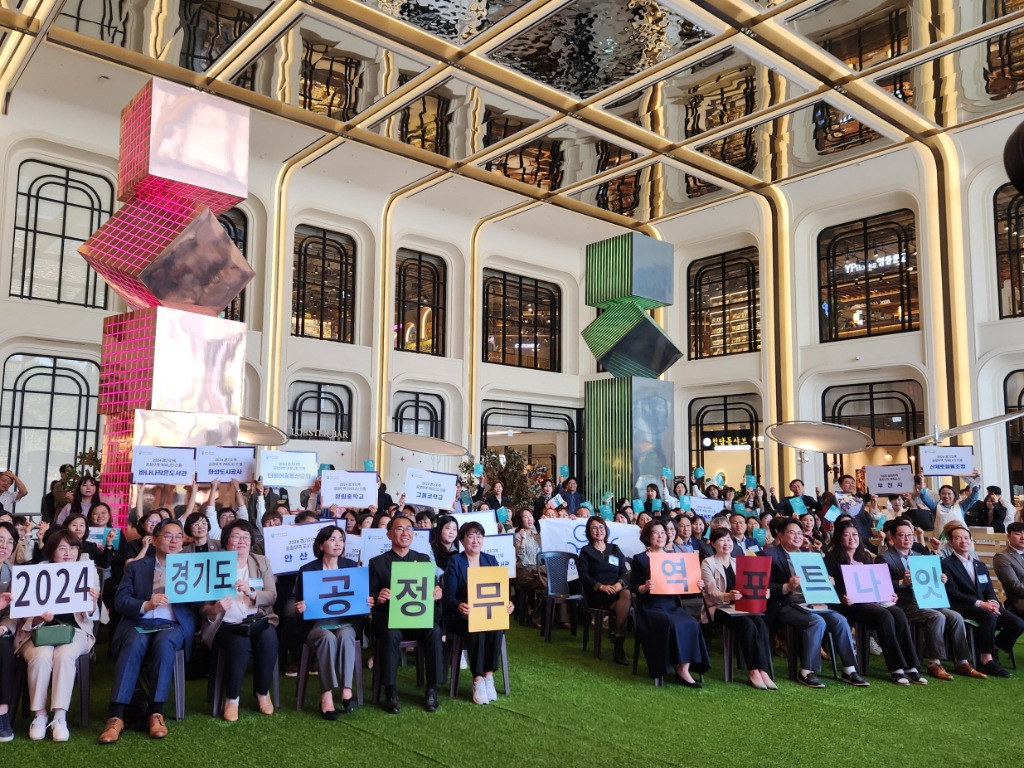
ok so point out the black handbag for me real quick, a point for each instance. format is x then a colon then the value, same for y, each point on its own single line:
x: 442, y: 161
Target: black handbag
x: 250, y: 625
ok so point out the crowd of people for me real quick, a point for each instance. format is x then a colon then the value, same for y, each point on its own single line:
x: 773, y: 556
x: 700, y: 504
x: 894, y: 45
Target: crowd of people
x: 263, y: 621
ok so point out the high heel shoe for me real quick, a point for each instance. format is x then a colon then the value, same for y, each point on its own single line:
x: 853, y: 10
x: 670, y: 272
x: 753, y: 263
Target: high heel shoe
x: 686, y: 683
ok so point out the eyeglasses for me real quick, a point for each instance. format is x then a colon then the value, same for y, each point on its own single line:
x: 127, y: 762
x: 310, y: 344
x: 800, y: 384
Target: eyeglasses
x: 240, y: 538
x: 6, y: 542
x: 67, y: 548
x: 402, y: 529
x: 172, y: 537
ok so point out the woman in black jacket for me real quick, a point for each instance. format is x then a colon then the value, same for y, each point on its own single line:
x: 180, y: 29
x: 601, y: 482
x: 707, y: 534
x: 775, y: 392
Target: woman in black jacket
x: 605, y: 579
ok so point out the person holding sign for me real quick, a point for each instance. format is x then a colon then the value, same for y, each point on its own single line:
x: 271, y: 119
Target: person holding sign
x: 8, y: 541
x: 242, y: 625
x: 332, y: 640
x: 797, y: 502
x: 400, y: 532
x: 151, y: 626
x: 667, y: 632
x: 948, y: 508
x: 482, y: 648
x: 969, y: 587
x: 605, y: 578
x: 53, y: 666
x: 787, y: 607
x: 79, y: 528
x: 719, y: 574
x: 883, y: 616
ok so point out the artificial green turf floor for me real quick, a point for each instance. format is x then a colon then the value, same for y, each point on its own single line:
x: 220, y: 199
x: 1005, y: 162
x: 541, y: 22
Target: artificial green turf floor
x: 567, y: 710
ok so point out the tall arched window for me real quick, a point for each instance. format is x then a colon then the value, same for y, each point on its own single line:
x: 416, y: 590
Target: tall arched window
x: 1013, y: 392
x: 419, y: 413
x: 522, y: 321
x: 48, y: 415
x: 236, y: 224
x: 1009, y: 233
x: 57, y: 209
x: 323, y: 285
x: 724, y: 435
x: 867, y: 272
x: 420, y: 303
x: 330, y: 81
x: 319, y: 411
x: 725, y: 306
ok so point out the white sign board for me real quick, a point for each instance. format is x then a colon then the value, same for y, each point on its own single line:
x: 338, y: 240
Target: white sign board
x: 348, y: 489
x: 289, y: 547
x: 292, y: 469
x: 353, y: 544
x: 503, y: 547
x: 894, y: 478
x: 485, y: 518
x: 947, y: 460
x: 560, y: 535
x: 51, y: 587
x: 706, y: 508
x: 163, y: 466
x: 225, y: 464
x: 376, y: 542
x: 424, y: 488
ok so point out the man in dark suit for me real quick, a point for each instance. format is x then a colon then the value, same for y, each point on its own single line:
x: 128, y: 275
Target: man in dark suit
x: 784, y: 608
x: 1009, y: 567
x: 741, y: 543
x: 935, y: 624
x: 971, y: 595
x: 149, y: 624
x: 796, y: 487
x: 400, y: 532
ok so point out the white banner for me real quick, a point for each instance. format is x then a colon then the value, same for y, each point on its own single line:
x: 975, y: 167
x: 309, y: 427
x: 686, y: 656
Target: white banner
x: 560, y: 535
x: 163, y: 466
x: 946, y: 460
x: 424, y: 488
x: 292, y: 469
x: 348, y: 489
x: 706, y: 508
x: 353, y: 544
x: 892, y: 478
x: 375, y: 542
x: 225, y: 464
x: 289, y: 547
x: 51, y: 587
x: 503, y: 547
x: 485, y: 518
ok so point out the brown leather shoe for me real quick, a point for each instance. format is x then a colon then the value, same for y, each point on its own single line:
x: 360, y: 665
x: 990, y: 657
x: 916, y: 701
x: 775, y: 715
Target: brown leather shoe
x: 964, y: 668
x: 157, y: 727
x: 265, y: 703
x: 230, y: 711
x: 112, y: 731
x: 939, y: 672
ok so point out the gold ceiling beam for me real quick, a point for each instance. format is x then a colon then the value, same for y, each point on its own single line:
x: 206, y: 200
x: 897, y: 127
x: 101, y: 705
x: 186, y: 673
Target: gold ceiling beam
x: 18, y: 22
x: 18, y: 48
x: 251, y: 43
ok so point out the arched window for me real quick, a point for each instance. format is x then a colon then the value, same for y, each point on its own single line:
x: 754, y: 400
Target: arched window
x: 323, y: 286
x: 58, y: 209
x: 867, y: 272
x: 724, y: 433
x: 1009, y: 234
x: 725, y: 306
x: 319, y: 411
x: 236, y: 224
x: 330, y: 81
x: 1013, y: 392
x: 522, y: 321
x: 209, y: 29
x: 420, y: 303
x: 48, y: 415
x: 418, y: 413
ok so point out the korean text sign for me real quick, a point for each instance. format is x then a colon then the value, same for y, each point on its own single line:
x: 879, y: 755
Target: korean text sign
x: 336, y: 593
x: 412, y: 596
x: 867, y: 583
x: 200, y: 576
x: 946, y: 460
x: 289, y: 468
x: 488, y: 598
x: 289, y: 547
x: 894, y: 478
x: 675, y: 573
x: 348, y: 489
x: 225, y: 464
x: 163, y: 466
x: 814, y: 581
x: 926, y: 578
x: 752, y: 577
x: 430, y: 489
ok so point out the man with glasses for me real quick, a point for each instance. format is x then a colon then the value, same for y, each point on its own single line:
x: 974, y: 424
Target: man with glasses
x: 400, y: 532
x: 149, y: 625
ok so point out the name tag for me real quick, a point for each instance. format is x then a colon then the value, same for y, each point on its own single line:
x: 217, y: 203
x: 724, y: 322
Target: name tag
x: 982, y: 578
x: 255, y: 583
x: 613, y: 560
x: 753, y: 548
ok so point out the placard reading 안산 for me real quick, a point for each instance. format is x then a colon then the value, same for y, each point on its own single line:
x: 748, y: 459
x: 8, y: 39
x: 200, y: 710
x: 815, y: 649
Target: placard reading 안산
x: 289, y: 547
x: 163, y: 466
x: 288, y: 468
x: 348, y: 489
x: 225, y: 464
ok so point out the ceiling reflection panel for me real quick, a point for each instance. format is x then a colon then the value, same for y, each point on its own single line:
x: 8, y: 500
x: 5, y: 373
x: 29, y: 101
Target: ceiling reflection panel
x: 722, y: 88
x: 457, y: 21
x: 458, y: 119
x: 650, y: 192
x: 560, y: 158
x: 588, y: 46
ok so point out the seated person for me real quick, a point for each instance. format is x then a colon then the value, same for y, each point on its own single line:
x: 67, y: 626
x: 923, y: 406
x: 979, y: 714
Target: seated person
x: 1009, y: 567
x: 969, y: 587
x: 53, y: 666
x: 989, y: 512
x: 163, y: 630
x: 79, y: 527
x: 670, y: 636
x: 400, y: 533
x: 253, y: 601
x: 741, y: 542
x: 785, y: 608
x: 8, y: 542
x: 482, y: 648
x: 604, y: 576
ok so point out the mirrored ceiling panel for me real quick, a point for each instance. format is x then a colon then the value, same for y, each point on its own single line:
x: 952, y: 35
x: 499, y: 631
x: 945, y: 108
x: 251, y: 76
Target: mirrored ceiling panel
x: 457, y: 119
x: 805, y: 139
x: 650, y: 192
x: 973, y: 82
x: 457, y: 21
x: 588, y: 46
x: 192, y: 34
x: 717, y: 90
x: 328, y: 70
x: 560, y: 158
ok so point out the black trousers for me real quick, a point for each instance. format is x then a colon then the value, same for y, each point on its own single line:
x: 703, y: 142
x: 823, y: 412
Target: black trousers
x: 752, y: 636
x: 262, y: 647
x: 893, y: 630
x: 1010, y: 627
x: 389, y: 652
x: 7, y: 670
x: 483, y: 649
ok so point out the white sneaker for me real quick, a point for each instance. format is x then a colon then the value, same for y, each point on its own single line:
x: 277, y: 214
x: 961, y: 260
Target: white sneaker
x: 479, y: 692
x: 874, y: 647
x: 463, y: 661
x: 492, y: 694
x: 37, y: 729
x: 59, y: 730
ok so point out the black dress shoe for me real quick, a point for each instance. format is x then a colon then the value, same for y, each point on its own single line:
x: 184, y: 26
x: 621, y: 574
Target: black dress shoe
x: 810, y: 680
x: 684, y: 682
x: 391, y: 706
x: 430, y: 702
x: 852, y: 678
x: 332, y: 715
x: 348, y: 705
x: 994, y: 669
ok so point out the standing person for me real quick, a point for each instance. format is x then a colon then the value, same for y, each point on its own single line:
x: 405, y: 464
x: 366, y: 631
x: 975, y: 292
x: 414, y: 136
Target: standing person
x: 496, y: 498
x: 11, y: 490
x: 547, y: 490
x: 444, y: 540
x: 149, y: 626
x: 8, y: 541
x: 605, y: 578
x: 400, y: 532
x: 87, y: 494
x: 571, y: 495
x: 796, y: 488
x: 948, y: 508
